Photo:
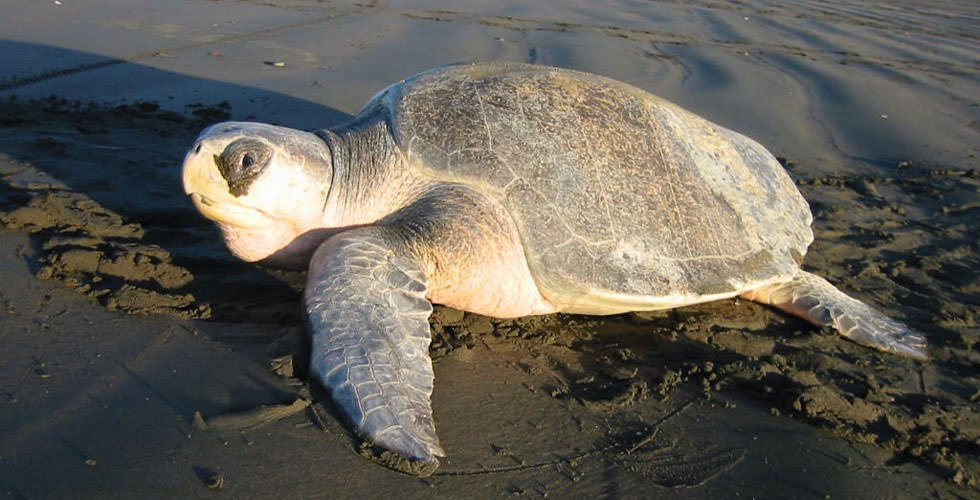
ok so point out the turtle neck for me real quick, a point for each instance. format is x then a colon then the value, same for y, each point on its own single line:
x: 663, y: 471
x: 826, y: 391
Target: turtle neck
x: 371, y: 175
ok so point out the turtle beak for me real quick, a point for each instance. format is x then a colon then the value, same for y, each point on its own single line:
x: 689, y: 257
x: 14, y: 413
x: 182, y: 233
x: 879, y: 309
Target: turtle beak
x: 230, y: 214
x: 195, y: 170
x: 207, y: 207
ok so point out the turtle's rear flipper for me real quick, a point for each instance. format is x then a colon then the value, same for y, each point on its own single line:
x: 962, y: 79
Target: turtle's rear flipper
x: 367, y: 312
x: 817, y: 301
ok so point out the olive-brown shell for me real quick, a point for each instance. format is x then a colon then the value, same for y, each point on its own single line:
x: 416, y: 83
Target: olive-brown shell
x: 623, y: 200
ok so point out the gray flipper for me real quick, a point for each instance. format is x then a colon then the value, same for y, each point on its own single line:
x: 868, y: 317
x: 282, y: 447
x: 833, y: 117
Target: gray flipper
x: 367, y: 312
x: 817, y: 301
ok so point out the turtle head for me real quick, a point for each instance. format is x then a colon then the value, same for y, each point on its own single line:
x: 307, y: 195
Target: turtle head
x: 263, y: 185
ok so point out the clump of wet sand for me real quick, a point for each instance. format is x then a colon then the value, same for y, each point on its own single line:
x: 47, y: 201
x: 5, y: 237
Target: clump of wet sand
x: 94, y: 251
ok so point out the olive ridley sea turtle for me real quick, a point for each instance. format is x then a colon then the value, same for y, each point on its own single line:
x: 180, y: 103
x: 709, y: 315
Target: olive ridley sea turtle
x: 506, y: 190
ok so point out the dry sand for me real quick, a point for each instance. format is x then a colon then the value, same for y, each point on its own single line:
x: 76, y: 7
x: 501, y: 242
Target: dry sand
x: 123, y: 316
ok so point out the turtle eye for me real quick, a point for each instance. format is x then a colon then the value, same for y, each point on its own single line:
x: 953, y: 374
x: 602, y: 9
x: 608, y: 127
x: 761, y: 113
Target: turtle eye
x: 241, y: 162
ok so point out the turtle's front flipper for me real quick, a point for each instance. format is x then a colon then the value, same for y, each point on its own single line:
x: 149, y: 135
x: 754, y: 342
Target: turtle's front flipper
x: 817, y: 301
x: 367, y: 312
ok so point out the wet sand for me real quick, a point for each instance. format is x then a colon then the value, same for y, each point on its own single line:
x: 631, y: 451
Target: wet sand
x: 123, y: 315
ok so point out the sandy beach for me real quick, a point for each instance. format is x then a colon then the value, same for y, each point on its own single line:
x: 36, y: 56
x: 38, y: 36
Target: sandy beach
x: 123, y: 316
